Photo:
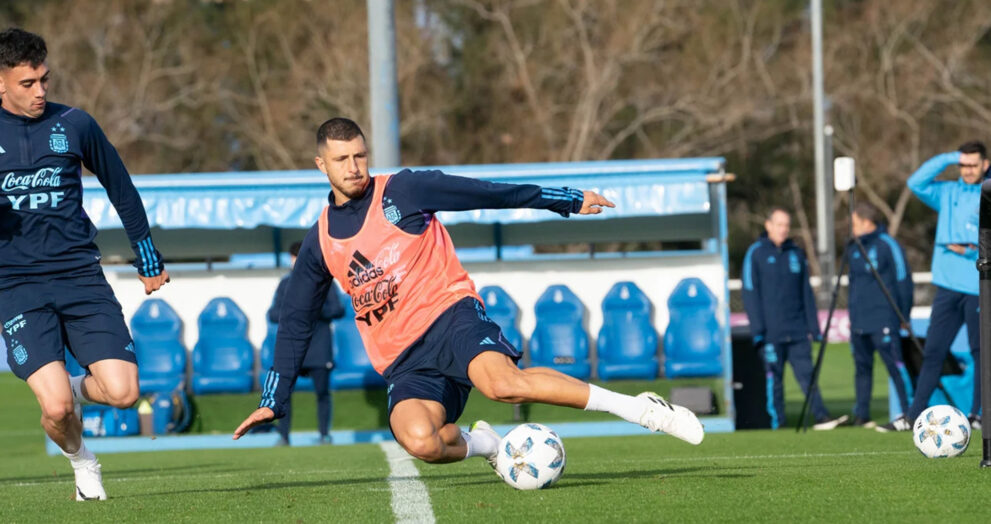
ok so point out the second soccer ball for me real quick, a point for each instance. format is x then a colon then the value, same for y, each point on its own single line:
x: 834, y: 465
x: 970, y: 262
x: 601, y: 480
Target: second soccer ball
x: 941, y: 431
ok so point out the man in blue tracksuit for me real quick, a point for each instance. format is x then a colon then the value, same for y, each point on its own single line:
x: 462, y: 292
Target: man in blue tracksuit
x: 319, y: 358
x: 783, y: 318
x: 954, y: 269
x: 53, y: 293
x: 874, y: 325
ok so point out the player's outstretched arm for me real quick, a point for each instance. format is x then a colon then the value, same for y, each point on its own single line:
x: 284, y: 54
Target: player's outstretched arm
x: 593, y: 203
x: 258, y: 416
x: 156, y: 282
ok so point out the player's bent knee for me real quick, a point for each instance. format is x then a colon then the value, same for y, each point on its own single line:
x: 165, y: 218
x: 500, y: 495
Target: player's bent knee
x: 57, y: 411
x: 429, y: 449
x: 122, y: 396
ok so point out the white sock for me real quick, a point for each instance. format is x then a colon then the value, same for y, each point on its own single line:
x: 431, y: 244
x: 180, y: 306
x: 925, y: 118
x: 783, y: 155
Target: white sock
x: 479, y: 445
x: 82, y: 456
x: 623, y: 406
x: 76, y: 383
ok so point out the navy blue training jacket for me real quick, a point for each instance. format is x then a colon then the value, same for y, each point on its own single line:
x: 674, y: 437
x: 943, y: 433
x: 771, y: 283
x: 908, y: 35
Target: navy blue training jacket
x: 869, y: 309
x: 43, y: 227
x: 776, y: 292
x: 411, y: 199
x: 319, y: 353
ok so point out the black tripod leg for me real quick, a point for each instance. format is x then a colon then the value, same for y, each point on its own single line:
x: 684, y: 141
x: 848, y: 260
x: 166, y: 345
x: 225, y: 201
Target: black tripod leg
x: 814, y: 383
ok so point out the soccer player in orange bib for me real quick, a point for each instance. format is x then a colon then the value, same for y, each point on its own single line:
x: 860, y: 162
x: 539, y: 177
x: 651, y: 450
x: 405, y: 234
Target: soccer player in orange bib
x: 421, y: 321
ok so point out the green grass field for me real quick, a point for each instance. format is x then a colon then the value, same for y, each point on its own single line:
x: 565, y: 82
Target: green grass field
x: 844, y: 475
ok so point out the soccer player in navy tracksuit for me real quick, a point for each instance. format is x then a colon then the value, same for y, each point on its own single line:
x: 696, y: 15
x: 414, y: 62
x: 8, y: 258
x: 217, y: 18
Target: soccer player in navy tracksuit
x: 783, y: 319
x: 874, y: 325
x: 954, y: 270
x: 319, y: 357
x: 54, y: 294
x: 422, y: 324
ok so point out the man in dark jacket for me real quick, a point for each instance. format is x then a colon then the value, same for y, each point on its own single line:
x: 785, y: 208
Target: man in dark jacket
x: 874, y: 325
x: 319, y: 357
x: 783, y: 319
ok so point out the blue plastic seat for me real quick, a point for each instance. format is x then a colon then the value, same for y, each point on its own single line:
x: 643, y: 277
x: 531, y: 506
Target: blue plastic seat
x: 691, y: 342
x: 266, y: 356
x: 627, y: 343
x: 157, y: 332
x: 352, y: 369
x: 559, y: 340
x: 223, y: 358
x: 501, y: 308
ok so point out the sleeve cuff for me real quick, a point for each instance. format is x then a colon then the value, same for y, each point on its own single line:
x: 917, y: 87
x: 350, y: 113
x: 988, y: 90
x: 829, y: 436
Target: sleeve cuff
x: 149, y: 261
x: 269, y: 389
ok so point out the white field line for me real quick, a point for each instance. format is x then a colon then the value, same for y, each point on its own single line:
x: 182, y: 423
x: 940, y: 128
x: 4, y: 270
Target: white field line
x: 407, y: 461
x: 410, y: 500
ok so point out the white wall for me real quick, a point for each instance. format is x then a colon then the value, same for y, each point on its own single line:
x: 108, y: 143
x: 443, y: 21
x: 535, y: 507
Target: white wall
x: 590, y: 279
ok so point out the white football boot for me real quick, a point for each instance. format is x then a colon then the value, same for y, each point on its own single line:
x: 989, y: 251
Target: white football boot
x: 677, y: 421
x: 481, y: 429
x: 89, y: 482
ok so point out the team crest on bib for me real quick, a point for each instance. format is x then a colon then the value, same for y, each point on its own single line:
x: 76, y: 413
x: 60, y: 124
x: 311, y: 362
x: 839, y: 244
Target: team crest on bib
x: 392, y: 214
x: 57, y: 140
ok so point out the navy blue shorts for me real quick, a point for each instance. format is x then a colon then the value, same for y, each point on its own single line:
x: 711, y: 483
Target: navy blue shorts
x: 43, y: 318
x: 435, y: 367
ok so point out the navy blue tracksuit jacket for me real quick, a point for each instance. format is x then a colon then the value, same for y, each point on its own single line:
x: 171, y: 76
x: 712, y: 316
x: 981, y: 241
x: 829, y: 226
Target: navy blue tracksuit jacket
x: 44, y: 230
x: 869, y: 309
x: 319, y: 353
x: 776, y: 292
x: 782, y: 312
x: 874, y: 325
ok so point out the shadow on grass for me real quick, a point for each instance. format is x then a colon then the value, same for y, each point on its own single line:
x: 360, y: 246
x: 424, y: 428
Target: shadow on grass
x: 306, y: 484
x: 591, y: 479
x: 58, y: 476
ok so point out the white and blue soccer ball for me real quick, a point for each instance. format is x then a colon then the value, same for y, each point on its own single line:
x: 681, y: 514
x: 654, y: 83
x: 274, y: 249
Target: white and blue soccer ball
x: 531, y: 456
x: 941, y: 431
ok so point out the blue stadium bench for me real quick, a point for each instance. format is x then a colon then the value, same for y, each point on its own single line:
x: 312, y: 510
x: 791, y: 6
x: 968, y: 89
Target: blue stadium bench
x: 627, y: 343
x: 223, y: 358
x: 691, y: 341
x: 559, y: 341
x: 157, y: 332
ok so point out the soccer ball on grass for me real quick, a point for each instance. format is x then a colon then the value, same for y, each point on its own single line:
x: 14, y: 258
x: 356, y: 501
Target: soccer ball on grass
x: 531, y: 456
x: 941, y: 431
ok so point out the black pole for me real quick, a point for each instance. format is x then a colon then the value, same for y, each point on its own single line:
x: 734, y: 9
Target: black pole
x: 984, y: 268
x: 814, y: 383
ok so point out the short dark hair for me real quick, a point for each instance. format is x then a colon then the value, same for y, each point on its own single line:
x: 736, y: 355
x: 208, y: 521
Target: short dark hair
x: 18, y: 46
x: 974, y: 146
x: 774, y: 210
x: 869, y: 212
x: 338, y: 128
x: 294, y: 248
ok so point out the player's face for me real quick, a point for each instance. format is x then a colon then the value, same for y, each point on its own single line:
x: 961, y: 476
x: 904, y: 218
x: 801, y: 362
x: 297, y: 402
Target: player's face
x: 23, y: 89
x: 972, y: 167
x: 346, y: 165
x: 860, y: 226
x: 778, y: 227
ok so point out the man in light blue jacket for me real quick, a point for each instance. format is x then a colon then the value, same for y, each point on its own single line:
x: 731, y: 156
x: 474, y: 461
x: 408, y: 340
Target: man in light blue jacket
x: 954, y: 269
